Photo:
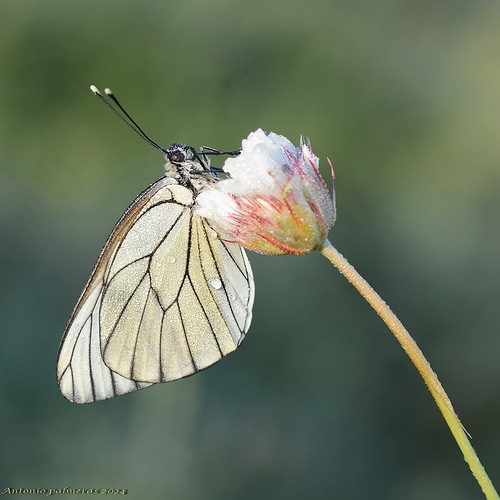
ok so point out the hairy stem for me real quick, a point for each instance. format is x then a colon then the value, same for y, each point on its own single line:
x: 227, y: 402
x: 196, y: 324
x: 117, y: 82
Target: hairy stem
x: 411, y: 348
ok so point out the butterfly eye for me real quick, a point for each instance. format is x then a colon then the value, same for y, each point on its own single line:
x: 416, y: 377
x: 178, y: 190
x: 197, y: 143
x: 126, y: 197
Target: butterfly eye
x: 177, y: 156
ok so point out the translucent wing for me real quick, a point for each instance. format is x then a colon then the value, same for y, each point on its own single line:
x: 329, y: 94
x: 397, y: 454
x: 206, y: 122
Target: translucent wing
x: 166, y: 299
x: 82, y: 375
x: 178, y: 303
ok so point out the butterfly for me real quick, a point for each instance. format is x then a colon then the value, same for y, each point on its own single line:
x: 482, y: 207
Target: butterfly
x: 167, y: 297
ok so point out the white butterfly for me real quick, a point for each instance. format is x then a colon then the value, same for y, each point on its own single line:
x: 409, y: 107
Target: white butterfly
x: 166, y: 299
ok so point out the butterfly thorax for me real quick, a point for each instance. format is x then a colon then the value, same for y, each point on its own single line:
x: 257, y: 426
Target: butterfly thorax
x: 188, y: 168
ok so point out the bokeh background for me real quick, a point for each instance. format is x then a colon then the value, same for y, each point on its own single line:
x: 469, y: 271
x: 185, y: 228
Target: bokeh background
x: 320, y: 401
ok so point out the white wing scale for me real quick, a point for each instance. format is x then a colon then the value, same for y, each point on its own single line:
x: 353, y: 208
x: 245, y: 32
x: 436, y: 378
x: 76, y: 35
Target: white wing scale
x: 83, y: 376
x: 166, y: 299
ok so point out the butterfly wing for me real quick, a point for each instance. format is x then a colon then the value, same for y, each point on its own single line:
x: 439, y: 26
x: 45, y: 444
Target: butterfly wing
x: 83, y: 376
x: 81, y: 373
x: 166, y: 299
x: 177, y: 304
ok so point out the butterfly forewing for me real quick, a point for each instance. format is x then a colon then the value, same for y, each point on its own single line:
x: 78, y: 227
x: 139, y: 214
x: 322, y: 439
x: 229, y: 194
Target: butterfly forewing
x: 83, y: 377
x: 167, y: 298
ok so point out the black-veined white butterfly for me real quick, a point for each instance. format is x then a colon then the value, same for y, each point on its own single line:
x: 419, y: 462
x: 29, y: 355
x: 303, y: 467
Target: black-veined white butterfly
x: 166, y: 299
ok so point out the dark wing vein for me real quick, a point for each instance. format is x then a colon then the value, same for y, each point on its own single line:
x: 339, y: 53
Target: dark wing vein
x: 152, y: 252
x: 219, y: 275
x: 236, y: 264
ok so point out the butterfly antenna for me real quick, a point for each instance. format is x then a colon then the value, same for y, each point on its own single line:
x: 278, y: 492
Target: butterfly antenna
x: 127, y: 119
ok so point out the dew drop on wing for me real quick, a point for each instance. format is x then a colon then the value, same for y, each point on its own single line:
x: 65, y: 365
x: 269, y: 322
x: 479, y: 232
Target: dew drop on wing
x: 212, y: 234
x: 231, y: 293
x: 215, y: 283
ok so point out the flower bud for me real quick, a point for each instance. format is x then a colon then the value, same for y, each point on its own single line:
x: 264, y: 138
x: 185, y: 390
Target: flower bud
x: 275, y: 201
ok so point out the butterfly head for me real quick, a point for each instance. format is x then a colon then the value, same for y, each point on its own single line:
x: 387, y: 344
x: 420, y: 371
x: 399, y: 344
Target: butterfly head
x: 185, y: 158
x: 188, y: 167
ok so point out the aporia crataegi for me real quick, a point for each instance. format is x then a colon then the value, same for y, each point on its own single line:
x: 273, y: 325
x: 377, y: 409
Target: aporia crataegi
x: 166, y: 299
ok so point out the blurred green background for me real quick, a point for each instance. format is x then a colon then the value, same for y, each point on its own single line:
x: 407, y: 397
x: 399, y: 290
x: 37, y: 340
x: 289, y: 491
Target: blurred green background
x: 320, y: 401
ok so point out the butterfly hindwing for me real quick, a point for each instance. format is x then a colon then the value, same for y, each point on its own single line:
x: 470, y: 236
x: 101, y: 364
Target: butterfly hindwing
x: 179, y: 305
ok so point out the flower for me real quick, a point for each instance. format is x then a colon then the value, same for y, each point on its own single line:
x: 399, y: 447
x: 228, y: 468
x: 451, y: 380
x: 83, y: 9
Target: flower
x: 275, y: 201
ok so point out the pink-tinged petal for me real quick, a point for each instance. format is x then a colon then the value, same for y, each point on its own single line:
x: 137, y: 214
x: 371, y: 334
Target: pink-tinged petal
x: 275, y: 201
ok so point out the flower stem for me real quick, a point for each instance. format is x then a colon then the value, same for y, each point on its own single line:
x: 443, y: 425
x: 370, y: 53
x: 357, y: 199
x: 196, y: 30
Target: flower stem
x: 418, y: 359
